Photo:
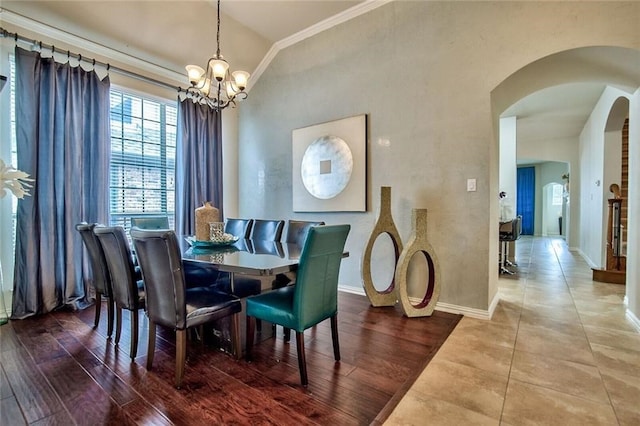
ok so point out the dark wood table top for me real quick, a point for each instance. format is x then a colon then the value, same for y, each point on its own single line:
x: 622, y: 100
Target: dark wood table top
x: 254, y: 257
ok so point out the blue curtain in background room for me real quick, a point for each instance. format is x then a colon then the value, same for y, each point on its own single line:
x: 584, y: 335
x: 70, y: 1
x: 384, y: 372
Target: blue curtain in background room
x: 527, y: 198
x: 198, y: 163
x: 62, y: 135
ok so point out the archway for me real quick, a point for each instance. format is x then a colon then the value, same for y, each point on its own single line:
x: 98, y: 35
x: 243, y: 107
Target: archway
x: 617, y: 70
x: 552, y: 208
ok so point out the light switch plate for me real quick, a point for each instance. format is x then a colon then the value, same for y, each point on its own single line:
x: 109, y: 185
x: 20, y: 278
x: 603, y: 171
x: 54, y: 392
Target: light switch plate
x: 471, y: 185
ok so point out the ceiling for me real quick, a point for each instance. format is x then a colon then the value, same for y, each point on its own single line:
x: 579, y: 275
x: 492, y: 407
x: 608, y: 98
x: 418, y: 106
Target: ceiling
x: 174, y: 33
x: 555, y: 113
x: 249, y: 28
x: 277, y: 20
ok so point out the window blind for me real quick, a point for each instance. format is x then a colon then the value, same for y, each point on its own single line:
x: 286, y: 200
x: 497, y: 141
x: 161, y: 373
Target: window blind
x: 143, y: 151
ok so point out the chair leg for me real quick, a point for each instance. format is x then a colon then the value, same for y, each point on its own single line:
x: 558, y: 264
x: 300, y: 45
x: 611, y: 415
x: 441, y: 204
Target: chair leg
x: 302, y: 360
x: 96, y: 321
x: 118, y: 324
x: 181, y: 355
x: 134, y: 334
x: 504, y: 252
x: 109, y: 317
x: 287, y: 334
x: 251, y: 325
x: 235, y: 335
x: 334, y: 336
x: 151, y: 346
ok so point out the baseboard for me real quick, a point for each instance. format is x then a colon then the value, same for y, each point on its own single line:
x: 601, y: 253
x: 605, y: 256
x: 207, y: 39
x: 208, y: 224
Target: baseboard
x: 634, y: 319
x: 6, y: 298
x: 352, y: 290
x: 586, y: 258
x: 440, y: 306
x: 494, y: 304
x: 630, y: 315
x: 463, y: 310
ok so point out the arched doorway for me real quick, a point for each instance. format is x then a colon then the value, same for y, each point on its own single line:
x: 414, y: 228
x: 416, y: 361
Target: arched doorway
x: 552, y: 209
x: 607, y: 73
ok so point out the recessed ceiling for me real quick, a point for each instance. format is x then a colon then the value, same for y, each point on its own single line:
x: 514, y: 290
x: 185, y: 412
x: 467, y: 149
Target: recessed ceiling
x: 554, y: 113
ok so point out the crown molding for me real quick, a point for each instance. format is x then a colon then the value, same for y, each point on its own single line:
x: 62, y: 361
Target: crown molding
x: 347, y: 15
x: 47, y: 31
x: 331, y: 22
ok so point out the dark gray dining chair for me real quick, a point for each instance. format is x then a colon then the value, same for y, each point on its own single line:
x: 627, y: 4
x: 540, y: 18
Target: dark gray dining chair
x: 238, y: 227
x: 128, y: 290
x: 267, y: 230
x: 150, y: 222
x: 170, y: 303
x: 100, y: 279
x: 295, y: 237
x: 297, y: 231
x: 242, y: 286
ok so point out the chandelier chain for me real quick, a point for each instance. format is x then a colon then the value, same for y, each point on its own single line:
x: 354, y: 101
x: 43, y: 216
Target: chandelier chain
x: 218, y: 32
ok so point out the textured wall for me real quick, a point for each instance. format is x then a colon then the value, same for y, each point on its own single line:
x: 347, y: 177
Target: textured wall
x: 424, y: 73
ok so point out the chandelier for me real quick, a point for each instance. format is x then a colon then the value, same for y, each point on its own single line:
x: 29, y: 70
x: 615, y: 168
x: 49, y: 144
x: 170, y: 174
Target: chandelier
x: 217, y: 86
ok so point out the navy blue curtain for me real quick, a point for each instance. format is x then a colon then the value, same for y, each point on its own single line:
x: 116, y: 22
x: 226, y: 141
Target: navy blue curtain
x: 198, y: 163
x: 527, y: 198
x: 62, y: 135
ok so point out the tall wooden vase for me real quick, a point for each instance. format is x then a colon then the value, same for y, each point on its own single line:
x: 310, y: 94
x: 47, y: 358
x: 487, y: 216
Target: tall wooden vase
x: 384, y: 225
x: 205, y: 215
x: 418, y: 243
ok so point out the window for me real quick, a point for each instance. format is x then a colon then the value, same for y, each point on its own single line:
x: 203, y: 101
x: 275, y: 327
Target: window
x: 143, y: 152
x: 556, y: 199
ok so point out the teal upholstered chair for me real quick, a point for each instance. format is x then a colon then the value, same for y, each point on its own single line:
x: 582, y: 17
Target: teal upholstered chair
x: 313, y: 299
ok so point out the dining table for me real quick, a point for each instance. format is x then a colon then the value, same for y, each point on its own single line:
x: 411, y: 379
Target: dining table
x: 256, y: 258
x: 262, y: 260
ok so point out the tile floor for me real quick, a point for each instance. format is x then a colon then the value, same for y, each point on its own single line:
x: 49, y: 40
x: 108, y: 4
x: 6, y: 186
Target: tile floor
x: 559, y: 350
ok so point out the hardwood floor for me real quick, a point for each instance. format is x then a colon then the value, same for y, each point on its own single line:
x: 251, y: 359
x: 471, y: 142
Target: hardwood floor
x: 56, y: 369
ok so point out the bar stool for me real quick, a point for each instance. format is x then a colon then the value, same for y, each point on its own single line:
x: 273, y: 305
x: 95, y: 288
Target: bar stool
x: 509, y: 231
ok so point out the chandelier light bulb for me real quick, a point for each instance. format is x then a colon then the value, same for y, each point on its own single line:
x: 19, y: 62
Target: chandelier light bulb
x: 195, y: 74
x: 241, y: 78
x: 219, y: 68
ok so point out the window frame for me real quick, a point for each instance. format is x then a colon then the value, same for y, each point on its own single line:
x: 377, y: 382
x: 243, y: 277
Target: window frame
x: 124, y: 218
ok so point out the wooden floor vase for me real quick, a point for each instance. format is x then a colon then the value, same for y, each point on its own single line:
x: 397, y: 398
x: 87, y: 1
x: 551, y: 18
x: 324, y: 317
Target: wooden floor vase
x: 418, y: 243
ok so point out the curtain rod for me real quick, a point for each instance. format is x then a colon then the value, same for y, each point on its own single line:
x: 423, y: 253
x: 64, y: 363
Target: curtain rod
x: 40, y: 45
